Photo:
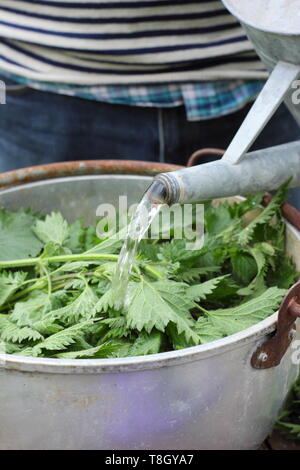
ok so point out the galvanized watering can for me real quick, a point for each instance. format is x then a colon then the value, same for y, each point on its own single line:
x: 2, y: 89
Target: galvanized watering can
x: 273, y: 26
x: 222, y: 395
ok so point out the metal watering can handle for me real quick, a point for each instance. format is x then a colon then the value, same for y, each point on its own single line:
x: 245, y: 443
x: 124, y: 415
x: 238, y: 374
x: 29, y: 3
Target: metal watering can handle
x: 270, y: 353
x: 265, y: 105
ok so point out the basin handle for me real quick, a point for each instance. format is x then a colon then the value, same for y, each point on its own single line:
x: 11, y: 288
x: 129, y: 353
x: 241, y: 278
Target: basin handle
x: 270, y: 353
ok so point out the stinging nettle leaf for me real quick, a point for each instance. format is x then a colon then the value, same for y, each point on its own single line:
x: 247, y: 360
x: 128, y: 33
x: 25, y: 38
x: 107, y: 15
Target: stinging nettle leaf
x: 207, y: 331
x: 265, y: 216
x: 232, y: 320
x: 102, y: 351
x: 9, y: 331
x: 176, y: 250
x: 156, y: 304
x: 33, y: 309
x: 190, y: 275
x: 17, y: 239
x: 244, y: 267
x: 110, y: 245
x: 200, y: 291
x: 218, y: 219
x: 262, y: 254
x: 147, y: 343
x: 82, y: 307
x: 63, y: 339
x: 117, y: 327
x: 53, y: 229
x: 9, y: 284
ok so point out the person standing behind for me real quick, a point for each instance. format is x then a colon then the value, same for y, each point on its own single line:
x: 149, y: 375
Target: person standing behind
x: 135, y: 79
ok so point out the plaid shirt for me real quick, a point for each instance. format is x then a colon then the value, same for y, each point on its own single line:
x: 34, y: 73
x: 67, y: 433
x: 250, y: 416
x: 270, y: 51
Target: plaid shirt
x: 202, y: 100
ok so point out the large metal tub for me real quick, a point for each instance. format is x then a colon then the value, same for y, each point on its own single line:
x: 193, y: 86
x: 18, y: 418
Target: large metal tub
x: 205, y: 397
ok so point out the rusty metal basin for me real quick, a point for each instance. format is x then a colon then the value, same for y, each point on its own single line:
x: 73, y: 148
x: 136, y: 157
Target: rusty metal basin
x: 204, y: 397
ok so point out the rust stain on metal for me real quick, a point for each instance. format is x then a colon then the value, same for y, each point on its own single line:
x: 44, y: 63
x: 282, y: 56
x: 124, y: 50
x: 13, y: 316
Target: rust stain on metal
x: 270, y: 353
x: 83, y: 167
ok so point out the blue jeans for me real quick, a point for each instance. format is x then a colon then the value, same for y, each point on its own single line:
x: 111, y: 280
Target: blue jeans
x: 38, y: 127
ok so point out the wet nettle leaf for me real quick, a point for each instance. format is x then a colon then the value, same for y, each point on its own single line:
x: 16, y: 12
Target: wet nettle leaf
x: 156, y: 304
x: 53, y: 229
x: 82, y: 307
x: 224, y: 322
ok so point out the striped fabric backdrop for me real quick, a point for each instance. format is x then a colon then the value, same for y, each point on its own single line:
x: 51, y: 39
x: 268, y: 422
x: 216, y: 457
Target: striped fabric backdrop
x: 124, y: 42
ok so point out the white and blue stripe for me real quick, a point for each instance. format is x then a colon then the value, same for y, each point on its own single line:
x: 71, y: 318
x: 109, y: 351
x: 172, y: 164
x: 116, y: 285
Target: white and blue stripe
x: 129, y: 42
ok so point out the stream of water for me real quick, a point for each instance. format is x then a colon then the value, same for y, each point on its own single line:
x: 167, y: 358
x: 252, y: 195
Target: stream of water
x: 145, y: 213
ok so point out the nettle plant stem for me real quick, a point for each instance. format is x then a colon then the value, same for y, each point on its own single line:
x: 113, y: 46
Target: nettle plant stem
x: 22, y: 263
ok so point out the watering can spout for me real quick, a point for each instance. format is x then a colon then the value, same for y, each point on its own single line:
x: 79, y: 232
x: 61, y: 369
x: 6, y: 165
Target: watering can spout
x: 263, y: 170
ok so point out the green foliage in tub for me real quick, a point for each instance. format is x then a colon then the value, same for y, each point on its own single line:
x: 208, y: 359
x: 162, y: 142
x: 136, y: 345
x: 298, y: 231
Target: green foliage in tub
x: 55, y: 284
x: 288, y: 422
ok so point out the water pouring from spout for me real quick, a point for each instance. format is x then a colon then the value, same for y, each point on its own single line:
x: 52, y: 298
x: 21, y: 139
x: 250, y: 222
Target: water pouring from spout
x: 145, y: 213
